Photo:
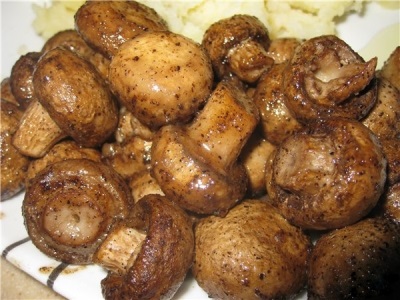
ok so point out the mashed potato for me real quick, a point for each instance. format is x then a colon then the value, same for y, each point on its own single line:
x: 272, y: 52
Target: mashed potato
x: 292, y: 18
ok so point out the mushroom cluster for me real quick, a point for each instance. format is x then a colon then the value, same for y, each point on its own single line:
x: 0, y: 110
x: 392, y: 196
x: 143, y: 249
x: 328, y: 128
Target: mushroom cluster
x: 151, y: 155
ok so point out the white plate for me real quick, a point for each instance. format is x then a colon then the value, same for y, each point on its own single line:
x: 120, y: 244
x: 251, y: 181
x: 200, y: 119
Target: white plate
x: 76, y: 282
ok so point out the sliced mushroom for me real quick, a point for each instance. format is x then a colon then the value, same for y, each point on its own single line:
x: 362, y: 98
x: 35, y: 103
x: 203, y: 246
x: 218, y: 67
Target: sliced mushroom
x: 238, y: 45
x: 197, y: 165
x: 326, y: 78
x: 6, y: 92
x: 251, y: 253
x: 71, y: 206
x: 13, y: 164
x: 106, y: 25
x: 328, y: 175
x: 360, y: 261
x: 161, y: 77
x: 149, y: 253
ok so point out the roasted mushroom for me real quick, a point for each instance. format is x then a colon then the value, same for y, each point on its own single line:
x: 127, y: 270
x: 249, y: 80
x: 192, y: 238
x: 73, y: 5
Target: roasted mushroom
x: 106, y: 25
x: 238, y: 45
x: 197, y: 165
x: 391, y: 149
x: 361, y: 261
x: 6, y: 92
x: 21, y: 78
x: 13, y: 164
x: 149, y: 253
x: 161, y: 77
x: 326, y: 78
x: 70, y: 207
x: 391, y: 203
x: 251, y: 253
x: 73, y: 95
x: 384, y: 117
x: 282, y: 49
x: 63, y: 150
x: 328, y: 175
x: 277, y: 122
x: 391, y: 68
x: 142, y: 184
x: 71, y: 40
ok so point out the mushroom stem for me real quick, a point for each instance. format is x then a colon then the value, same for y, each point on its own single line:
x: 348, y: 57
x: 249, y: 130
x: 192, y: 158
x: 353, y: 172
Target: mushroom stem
x: 37, y: 132
x: 120, y: 249
x: 224, y: 125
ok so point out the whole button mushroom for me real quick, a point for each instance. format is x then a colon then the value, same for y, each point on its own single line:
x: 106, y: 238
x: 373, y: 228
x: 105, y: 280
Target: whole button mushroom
x: 71, y: 205
x: 360, y: 261
x: 14, y: 165
x: 161, y: 77
x: 328, y: 175
x: 197, y: 165
x: 73, y: 100
x: 251, y: 253
x: 106, y: 25
x: 327, y: 78
x: 149, y: 253
x: 238, y: 45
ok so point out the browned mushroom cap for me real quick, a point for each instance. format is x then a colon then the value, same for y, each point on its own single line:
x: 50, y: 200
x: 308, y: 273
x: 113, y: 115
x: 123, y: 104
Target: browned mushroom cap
x: 63, y: 150
x: 384, y: 117
x: 71, y: 40
x: 328, y: 175
x: 391, y: 149
x: 106, y: 25
x: 197, y: 165
x: 156, y: 268
x: 6, y: 92
x: 391, y: 68
x: 251, y: 253
x: 238, y: 45
x: 70, y: 207
x: 76, y: 97
x: 361, y: 261
x: 161, y: 77
x: 326, y: 78
x: 13, y: 163
x: 21, y: 78
x: 391, y: 203
x: 277, y: 122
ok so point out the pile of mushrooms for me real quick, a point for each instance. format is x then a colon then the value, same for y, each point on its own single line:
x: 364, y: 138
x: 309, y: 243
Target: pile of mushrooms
x: 265, y: 167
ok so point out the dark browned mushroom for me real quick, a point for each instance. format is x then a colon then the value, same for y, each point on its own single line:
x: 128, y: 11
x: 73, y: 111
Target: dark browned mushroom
x: 149, y: 253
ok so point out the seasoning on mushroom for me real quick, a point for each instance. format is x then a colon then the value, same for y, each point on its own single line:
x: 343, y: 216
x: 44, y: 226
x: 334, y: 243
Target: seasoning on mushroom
x: 197, y: 165
x: 70, y: 207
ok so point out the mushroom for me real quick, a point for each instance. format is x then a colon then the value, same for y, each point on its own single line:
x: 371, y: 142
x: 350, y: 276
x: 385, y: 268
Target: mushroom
x: 71, y: 206
x: 238, y: 45
x: 6, y: 92
x: 328, y: 175
x: 73, y: 100
x: 71, y: 40
x: 106, y: 25
x: 196, y: 165
x: 254, y: 157
x: 391, y: 149
x: 277, y: 122
x: 360, y: 261
x: 161, y: 77
x: 282, y: 49
x: 149, y: 253
x: 251, y: 253
x: 142, y: 184
x: 391, y: 68
x: 21, y: 78
x: 67, y: 149
x: 13, y: 164
x: 391, y: 203
x: 326, y: 78
x: 383, y: 119
x: 128, y: 158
